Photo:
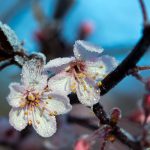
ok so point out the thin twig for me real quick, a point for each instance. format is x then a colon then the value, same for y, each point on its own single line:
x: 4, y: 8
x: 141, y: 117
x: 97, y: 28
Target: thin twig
x: 138, y: 77
x: 144, y: 12
x: 142, y: 68
x: 6, y: 64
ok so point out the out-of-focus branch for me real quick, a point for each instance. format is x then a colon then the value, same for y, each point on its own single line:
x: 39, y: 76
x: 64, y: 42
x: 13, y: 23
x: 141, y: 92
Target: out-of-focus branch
x: 62, y: 8
x: 144, y: 12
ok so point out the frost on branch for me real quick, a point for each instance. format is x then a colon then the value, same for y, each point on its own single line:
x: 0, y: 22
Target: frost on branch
x: 82, y: 73
x: 9, y: 40
x: 33, y: 102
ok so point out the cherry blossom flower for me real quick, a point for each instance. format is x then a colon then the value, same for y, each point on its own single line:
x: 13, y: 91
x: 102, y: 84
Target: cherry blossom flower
x: 33, y: 102
x: 79, y: 74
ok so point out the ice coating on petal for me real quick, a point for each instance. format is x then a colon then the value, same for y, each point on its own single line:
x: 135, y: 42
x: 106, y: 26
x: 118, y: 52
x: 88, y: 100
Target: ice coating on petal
x: 101, y: 67
x: 58, y: 64
x: 39, y: 56
x: 57, y: 103
x: 87, y: 92
x: 85, y: 51
x: 12, y: 38
x: 44, y: 125
x: 32, y: 76
x: 17, y: 118
x: 15, y: 98
x: 61, y: 82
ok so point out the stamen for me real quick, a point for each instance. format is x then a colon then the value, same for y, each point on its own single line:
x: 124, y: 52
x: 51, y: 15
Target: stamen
x: 54, y: 113
x: 26, y: 113
x: 49, y: 97
x: 30, y: 122
x: 73, y: 87
x: 99, y: 83
x: 31, y: 97
x: 81, y: 75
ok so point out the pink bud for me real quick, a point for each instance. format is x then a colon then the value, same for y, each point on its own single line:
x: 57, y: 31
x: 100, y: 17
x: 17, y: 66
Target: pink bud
x: 39, y: 36
x: 82, y: 144
x: 115, y: 115
x: 85, y: 29
x: 138, y: 116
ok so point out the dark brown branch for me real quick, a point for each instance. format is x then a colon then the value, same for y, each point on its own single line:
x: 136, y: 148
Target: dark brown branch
x: 138, y: 77
x: 129, y: 62
x: 113, y: 79
x: 119, y: 133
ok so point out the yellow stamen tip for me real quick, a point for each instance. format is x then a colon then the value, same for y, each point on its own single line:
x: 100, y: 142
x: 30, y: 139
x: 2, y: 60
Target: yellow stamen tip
x: 30, y: 122
x: 99, y: 83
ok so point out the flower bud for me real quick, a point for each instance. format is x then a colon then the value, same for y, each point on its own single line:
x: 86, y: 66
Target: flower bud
x: 82, y: 144
x: 115, y: 115
x: 85, y: 29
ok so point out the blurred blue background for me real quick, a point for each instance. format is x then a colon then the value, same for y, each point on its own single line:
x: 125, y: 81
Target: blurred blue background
x: 118, y: 26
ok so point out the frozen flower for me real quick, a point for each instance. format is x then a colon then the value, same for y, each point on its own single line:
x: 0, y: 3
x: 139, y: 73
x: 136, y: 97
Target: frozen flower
x: 33, y: 102
x: 79, y: 74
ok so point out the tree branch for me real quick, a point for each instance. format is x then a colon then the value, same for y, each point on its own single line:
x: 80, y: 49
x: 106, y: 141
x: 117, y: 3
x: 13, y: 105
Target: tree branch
x: 112, y: 80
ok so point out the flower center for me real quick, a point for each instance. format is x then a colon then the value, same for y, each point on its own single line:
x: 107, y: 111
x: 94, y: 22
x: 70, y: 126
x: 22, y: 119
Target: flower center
x: 77, y: 66
x: 33, y: 99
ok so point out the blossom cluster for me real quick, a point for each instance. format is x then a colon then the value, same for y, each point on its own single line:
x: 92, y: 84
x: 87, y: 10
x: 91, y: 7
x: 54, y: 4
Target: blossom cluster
x: 43, y: 91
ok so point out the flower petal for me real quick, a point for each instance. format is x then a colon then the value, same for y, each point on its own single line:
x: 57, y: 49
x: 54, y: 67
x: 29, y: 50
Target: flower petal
x: 44, y: 125
x: 32, y: 76
x: 17, y: 118
x: 57, y: 104
x: 58, y: 64
x: 87, y: 92
x: 15, y: 98
x: 85, y: 51
x: 61, y: 82
x: 101, y: 67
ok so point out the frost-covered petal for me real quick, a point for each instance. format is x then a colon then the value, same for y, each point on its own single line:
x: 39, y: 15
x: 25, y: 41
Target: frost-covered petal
x: 17, y: 118
x: 15, y: 98
x: 44, y: 125
x: 57, y: 103
x: 21, y: 60
x: 87, y: 92
x: 32, y: 74
x: 58, y: 64
x: 61, y: 82
x: 85, y: 51
x: 100, y: 67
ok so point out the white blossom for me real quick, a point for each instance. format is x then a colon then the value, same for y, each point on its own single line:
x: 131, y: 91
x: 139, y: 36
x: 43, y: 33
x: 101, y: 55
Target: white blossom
x: 80, y: 73
x: 33, y: 102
